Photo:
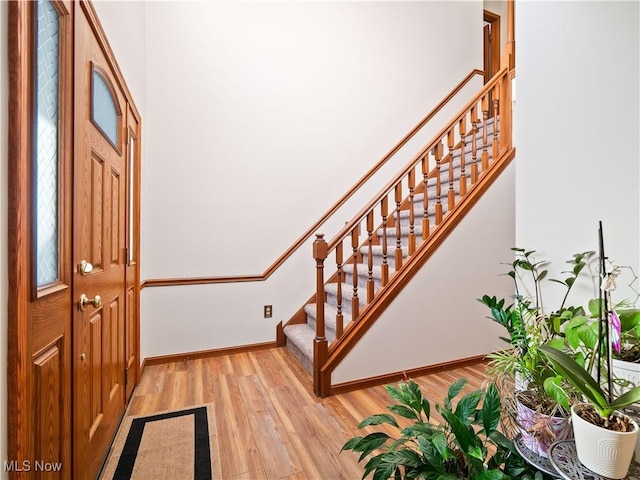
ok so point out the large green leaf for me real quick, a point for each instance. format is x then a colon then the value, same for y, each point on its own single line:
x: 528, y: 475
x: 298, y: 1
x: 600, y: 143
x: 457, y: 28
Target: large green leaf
x: 490, y: 475
x: 491, y: 410
x: 405, y: 457
x: 351, y: 443
x: 463, y: 436
x: 589, y: 335
x: 578, y: 377
x: 455, y: 388
x: 372, y: 464
x: 426, y: 408
x: 403, y: 411
x: 384, y: 471
x: 378, y: 419
x: 502, y: 441
x: 415, y: 396
x: 369, y: 443
x: 467, y: 405
x: 431, y: 454
x: 629, y: 318
x: 439, y: 441
x: 553, y: 387
x: 628, y: 398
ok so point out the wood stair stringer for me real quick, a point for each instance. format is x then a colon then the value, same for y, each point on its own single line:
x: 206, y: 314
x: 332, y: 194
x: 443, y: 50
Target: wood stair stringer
x: 370, y: 313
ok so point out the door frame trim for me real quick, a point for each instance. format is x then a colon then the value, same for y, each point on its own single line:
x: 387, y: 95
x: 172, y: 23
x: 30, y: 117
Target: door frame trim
x: 494, y: 20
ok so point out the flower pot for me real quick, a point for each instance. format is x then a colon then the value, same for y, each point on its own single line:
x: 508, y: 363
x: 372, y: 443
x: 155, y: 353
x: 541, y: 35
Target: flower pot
x: 539, y: 430
x: 603, y: 451
x: 629, y: 371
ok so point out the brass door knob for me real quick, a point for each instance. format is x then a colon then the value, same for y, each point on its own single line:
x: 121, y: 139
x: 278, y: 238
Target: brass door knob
x: 84, y: 301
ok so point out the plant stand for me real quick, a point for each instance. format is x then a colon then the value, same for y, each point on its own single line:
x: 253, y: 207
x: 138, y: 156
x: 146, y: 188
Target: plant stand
x: 563, y: 462
x: 563, y: 457
x: 537, y: 461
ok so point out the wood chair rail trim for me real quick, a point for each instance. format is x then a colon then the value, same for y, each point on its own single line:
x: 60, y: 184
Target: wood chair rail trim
x: 170, y: 282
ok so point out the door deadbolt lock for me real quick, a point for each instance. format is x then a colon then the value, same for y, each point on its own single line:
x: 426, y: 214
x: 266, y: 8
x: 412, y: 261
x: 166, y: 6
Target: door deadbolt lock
x: 84, y: 301
x: 85, y: 268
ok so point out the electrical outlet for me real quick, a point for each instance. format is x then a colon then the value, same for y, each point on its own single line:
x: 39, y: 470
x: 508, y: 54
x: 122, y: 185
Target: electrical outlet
x: 268, y: 311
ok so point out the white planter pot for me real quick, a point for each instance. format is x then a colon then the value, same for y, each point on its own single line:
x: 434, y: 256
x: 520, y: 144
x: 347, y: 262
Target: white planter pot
x: 603, y: 451
x: 629, y: 371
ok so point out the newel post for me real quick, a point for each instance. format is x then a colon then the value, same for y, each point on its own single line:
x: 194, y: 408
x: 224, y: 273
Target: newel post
x: 506, y: 124
x: 320, y: 346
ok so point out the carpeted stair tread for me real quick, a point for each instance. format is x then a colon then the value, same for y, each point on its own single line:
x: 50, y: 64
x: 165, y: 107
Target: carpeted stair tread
x: 347, y: 294
x: 376, y: 251
x: 363, y: 270
x: 300, y: 337
x: 418, y: 213
x: 404, y: 231
x: 330, y: 314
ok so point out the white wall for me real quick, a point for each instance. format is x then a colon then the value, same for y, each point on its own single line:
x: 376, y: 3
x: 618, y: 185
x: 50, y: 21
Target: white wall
x: 577, y: 125
x: 124, y: 25
x: 437, y: 318
x: 4, y: 95
x: 259, y: 116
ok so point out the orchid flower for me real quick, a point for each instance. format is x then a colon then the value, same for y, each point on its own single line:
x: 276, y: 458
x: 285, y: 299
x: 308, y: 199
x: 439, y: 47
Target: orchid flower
x: 615, y: 330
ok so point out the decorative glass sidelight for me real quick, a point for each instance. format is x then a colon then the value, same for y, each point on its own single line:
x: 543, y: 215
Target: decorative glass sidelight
x: 46, y: 142
x: 104, y: 112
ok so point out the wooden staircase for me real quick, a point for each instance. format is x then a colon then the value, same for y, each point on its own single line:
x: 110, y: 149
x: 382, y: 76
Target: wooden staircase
x: 377, y: 253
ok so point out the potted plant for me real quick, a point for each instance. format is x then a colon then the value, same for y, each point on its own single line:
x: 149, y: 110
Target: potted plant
x: 605, y: 438
x: 466, y: 445
x: 540, y: 417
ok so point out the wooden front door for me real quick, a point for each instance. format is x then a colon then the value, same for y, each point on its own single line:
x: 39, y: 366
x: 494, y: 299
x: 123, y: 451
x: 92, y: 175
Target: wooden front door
x: 99, y: 244
x: 73, y: 242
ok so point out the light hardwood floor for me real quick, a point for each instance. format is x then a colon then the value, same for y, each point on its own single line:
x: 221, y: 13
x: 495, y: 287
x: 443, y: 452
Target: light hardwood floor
x: 269, y: 423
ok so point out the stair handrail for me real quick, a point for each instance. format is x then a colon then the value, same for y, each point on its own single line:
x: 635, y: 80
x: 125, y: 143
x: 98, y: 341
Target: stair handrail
x: 359, y: 217
x: 494, y: 97
x: 158, y: 282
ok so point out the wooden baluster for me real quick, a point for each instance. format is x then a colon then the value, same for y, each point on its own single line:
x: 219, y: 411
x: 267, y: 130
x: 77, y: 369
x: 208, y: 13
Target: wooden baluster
x: 496, y: 106
x: 320, y: 344
x: 370, y: 289
x: 474, y: 147
x: 451, y: 195
x: 438, y: 154
x: 384, y: 210
x: 462, y: 128
x: 412, y: 236
x: 355, y: 301
x: 425, y: 200
x: 339, y: 315
x: 398, y: 198
x: 485, y: 117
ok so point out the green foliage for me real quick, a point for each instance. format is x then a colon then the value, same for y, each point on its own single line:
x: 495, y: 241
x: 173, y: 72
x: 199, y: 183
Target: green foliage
x: 582, y: 381
x: 530, y: 326
x: 456, y: 449
x: 630, y: 334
